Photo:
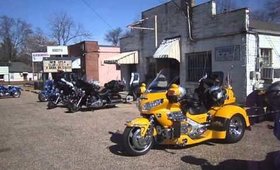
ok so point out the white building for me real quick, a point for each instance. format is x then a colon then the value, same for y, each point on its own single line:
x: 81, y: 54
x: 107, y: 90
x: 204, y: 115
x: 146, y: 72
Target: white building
x: 16, y: 71
x: 19, y: 71
x: 4, y: 72
x: 197, y: 40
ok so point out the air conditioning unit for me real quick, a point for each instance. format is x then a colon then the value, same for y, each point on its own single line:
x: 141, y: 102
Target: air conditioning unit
x: 267, y: 73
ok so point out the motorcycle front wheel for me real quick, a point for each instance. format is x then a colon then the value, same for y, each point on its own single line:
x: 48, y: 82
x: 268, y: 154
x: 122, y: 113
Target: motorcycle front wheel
x: 73, y: 108
x: 42, y: 97
x: 17, y: 94
x: 134, y: 143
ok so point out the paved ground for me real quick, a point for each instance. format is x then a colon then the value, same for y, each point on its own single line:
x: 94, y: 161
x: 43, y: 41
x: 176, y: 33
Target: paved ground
x: 32, y: 137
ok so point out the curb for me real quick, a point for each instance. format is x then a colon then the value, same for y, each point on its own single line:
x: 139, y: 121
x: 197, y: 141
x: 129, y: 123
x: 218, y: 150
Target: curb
x: 33, y: 91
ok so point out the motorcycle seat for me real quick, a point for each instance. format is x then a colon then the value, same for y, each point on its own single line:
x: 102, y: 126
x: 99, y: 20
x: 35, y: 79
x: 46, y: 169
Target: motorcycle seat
x: 103, y: 93
x: 194, y: 106
x: 197, y: 110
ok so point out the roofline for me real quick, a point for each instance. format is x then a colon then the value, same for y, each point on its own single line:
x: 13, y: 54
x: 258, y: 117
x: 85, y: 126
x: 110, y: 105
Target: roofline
x: 266, y: 32
x: 109, y: 46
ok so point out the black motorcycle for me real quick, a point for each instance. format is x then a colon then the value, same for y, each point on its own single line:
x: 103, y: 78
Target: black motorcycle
x: 90, y: 95
x: 62, y: 93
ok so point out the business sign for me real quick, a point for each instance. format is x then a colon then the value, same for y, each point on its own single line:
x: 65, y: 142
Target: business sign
x: 57, y: 50
x: 38, y: 57
x: 53, y: 66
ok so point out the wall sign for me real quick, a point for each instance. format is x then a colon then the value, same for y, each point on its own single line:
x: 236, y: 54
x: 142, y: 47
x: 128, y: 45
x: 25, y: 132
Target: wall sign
x: 52, y: 66
x: 57, y: 50
x: 38, y: 57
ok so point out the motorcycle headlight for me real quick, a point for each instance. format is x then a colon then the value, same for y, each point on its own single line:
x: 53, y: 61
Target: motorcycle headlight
x: 152, y: 104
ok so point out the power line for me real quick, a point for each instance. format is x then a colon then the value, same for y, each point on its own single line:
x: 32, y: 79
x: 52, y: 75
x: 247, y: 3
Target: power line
x: 99, y: 16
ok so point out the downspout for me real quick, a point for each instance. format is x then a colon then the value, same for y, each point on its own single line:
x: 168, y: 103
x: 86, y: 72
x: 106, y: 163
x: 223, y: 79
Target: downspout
x: 187, y: 15
x: 257, y: 68
x: 189, y: 22
x: 258, y: 51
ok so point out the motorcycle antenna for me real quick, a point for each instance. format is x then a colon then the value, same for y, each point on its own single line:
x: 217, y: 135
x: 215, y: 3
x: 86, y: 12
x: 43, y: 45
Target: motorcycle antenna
x: 229, y: 75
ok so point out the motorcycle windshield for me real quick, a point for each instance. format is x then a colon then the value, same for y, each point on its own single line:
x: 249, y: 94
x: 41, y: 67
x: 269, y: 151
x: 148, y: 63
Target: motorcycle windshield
x: 163, y: 80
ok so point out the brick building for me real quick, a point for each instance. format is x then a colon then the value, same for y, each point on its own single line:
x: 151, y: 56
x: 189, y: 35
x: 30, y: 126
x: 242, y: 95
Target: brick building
x: 92, y: 57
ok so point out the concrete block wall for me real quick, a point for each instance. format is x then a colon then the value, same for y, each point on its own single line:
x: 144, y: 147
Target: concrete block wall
x: 234, y: 68
x: 207, y: 24
x: 211, y: 31
x: 131, y: 42
x: 251, y: 56
x: 171, y: 22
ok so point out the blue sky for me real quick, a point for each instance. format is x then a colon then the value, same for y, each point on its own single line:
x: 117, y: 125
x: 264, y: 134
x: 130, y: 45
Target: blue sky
x: 107, y: 14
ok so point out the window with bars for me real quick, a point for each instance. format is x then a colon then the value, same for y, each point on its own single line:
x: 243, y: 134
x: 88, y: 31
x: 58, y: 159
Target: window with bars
x: 198, y: 64
x: 266, y: 57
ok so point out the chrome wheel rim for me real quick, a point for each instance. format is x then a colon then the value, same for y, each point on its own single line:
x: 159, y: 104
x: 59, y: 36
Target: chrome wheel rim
x: 43, y: 97
x: 138, y: 143
x: 235, y: 127
x: 16, y: 94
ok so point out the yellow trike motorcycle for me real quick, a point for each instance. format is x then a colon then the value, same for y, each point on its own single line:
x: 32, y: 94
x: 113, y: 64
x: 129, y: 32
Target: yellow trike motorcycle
x: 169, y: 116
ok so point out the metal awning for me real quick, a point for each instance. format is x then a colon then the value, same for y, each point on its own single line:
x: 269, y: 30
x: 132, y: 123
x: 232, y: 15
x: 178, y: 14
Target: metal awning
x: 123, y: 58
x: 169, y: 48
x: 76, y: 63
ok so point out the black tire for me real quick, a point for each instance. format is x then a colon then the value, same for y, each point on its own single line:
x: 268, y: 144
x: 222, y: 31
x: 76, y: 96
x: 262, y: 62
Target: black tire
x: 51, y: 104
x: 134, y: 144
x: 42, y: 97
x: 73, y: 108
x: 129, y: 99
x: 16, y: 94
x: 235, y: 129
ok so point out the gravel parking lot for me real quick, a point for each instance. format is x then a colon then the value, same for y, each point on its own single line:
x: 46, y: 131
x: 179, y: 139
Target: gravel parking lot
x: 32, y: 137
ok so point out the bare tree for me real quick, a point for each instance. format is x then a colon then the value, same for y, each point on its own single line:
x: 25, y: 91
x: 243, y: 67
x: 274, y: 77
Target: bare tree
x: 270, y: 12
x: 13, y: 35
x: 113, y: 36
x: 64, y: 29
x: 36, y: 42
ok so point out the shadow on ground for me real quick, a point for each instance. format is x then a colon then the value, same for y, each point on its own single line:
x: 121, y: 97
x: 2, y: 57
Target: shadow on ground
x: 271, y: 162
x: 117, y: 139
x: 118, y: 148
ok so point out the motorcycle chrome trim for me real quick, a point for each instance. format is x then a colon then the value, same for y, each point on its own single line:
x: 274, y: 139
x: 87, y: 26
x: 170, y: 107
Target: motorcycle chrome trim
x: 235, y: 127
x: 176, y: 116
